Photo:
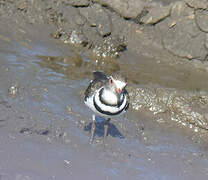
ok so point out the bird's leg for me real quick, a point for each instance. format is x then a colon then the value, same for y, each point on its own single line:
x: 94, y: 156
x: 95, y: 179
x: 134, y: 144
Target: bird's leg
x: 92, y: 128
x: 106, y: 128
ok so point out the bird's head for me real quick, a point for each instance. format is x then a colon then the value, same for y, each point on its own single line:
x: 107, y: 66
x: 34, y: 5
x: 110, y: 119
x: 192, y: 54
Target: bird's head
x: 117, y: 83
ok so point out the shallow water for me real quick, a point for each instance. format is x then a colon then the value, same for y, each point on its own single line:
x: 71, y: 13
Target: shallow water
x: 45, y: 125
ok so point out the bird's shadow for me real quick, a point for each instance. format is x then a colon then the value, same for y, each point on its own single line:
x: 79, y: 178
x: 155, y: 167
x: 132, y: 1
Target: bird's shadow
x: 99, y: 130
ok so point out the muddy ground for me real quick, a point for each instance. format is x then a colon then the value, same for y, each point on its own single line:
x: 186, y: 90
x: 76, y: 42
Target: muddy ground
x: 48, y: 50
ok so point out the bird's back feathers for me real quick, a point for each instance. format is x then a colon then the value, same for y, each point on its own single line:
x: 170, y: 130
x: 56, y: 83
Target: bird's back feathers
x: 100, y: 75
x: 99, y: 80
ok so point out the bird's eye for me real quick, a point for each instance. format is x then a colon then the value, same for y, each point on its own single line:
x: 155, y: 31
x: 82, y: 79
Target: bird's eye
x: 111, y: 81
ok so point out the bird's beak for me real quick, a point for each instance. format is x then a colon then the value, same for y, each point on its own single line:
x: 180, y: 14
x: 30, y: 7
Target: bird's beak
x: 118, y: 90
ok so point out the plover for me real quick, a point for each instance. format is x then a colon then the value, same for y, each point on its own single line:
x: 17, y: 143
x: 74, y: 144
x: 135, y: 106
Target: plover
x: 106, y: 96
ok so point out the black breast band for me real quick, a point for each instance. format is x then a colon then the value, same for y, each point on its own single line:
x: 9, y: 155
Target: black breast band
x: 107, y: 112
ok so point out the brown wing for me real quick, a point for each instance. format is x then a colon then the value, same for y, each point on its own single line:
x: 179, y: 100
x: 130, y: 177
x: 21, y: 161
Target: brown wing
x: 100, y: 75
x: 100, y: 79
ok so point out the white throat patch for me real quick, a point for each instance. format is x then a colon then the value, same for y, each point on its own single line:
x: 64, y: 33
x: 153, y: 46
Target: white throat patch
x: 109, y: 97
x: 119, y: 84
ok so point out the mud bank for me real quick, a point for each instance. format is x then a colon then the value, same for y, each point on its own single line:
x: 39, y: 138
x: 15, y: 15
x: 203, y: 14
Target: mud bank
x: 172, y: 27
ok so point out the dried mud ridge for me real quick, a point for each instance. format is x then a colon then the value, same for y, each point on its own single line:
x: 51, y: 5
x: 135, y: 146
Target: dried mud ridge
x: 108, y: 27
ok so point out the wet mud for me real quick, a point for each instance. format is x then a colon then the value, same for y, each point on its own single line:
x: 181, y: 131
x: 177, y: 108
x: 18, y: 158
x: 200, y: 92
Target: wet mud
x: 44, y: 124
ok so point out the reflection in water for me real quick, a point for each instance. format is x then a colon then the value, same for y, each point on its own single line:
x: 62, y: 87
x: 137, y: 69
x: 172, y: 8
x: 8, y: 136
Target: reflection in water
x: 178, y: 75
x: 99, y: 130
x: 138, y: 71
x: 75, y: 67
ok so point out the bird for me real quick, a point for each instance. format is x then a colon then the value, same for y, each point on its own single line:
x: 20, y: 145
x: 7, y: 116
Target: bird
x: 107, y: 97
